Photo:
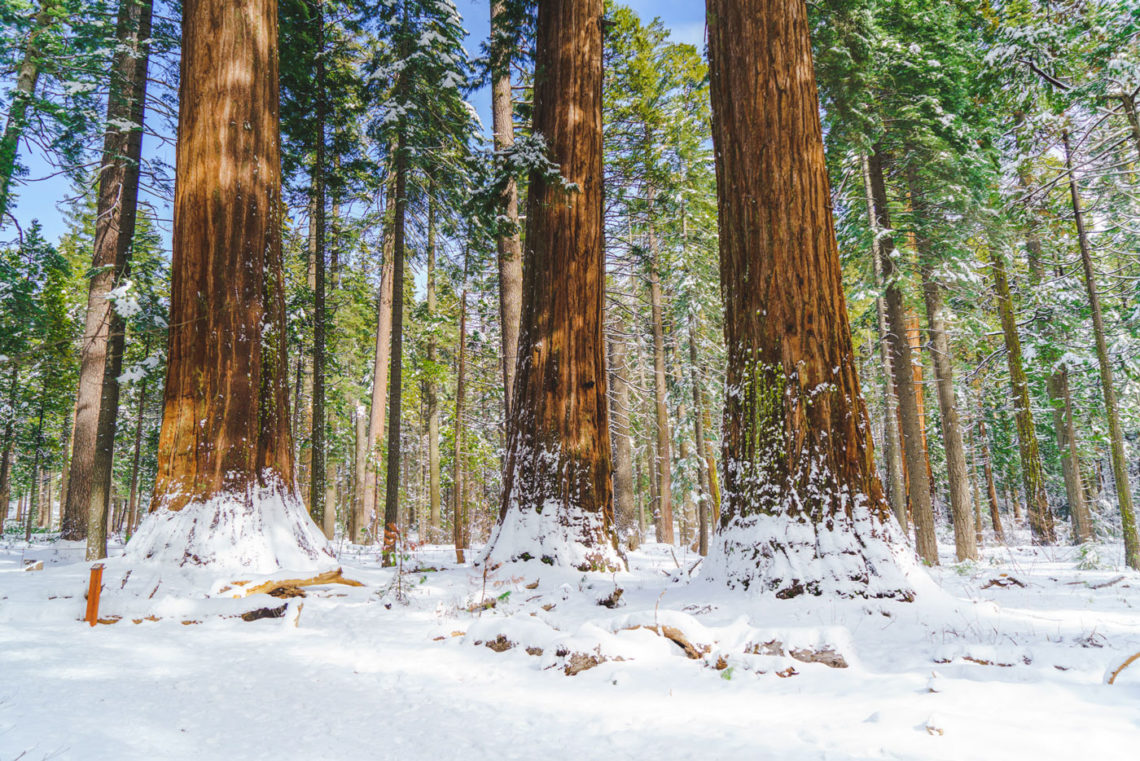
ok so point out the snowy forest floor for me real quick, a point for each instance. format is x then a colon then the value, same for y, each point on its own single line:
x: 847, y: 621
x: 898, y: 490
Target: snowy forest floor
x: 1003, y: 659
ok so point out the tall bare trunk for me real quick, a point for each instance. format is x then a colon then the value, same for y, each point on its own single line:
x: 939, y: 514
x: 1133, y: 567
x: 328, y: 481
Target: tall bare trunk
x: 9, y: 445
x: 318, y: 473
x: 620, y: 428
x: 896, y: 482
x: 133, y: 501
x: 356, y: 521
x: 89, y: 479
x: 1107, y: 384
x: 431, y: 394
x: 902, y: 361
x: 382, y: 354
x: 663, y: 518
x: 1032, y: 473
x: 703, y: 507
x: 460, y: 530
x: 392, y: 483
x: 957, y: 471
x: 507, y: 240
x: 557, y: 492
x: 1061, y: 399
x: 798, y: 456
x: 225, y: 427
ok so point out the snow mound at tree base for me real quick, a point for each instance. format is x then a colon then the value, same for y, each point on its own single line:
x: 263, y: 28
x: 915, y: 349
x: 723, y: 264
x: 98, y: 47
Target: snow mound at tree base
x: 846, y: 555
x: 557, y: 537
x: 260, y: 530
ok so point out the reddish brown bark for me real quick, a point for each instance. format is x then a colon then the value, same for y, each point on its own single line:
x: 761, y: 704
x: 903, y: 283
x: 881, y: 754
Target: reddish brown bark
x: 798, y: 455
x: 558, y: 495
x: 225, y: 421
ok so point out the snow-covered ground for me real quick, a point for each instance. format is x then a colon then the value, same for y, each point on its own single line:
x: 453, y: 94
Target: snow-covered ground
x: 1005, y: 659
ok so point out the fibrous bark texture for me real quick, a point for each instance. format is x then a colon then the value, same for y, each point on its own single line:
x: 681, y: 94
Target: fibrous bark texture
x: 558, y: 496
x: 224, y: 493
x: 803, y: 508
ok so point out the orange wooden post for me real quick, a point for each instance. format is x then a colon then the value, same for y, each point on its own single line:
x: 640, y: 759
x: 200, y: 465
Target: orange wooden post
x: 93, y: 589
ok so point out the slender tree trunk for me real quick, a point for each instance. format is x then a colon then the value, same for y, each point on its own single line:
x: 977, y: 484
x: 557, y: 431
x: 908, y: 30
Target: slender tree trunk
x: 305, y: 445
x: 9, y: 444
x: 392, y: 485
x: 66, y: 474
x: 699, y: 437
x: 356, y: 522
x: 118, y: 205
x: 800, y: 477
x: 663, y: 518
x: 914, y: 449
x: 382, y: 354
x: 318, y: 472
x: 26, y: 80
x: 33, y: 499
x: 1107, y: 384
x: 89, y: 480
x: 1033, y: 475
x: 620, y: 428
x: 557, y: 491
x: 225, y: 452
x: 432, y: 395
x: 507, y: 240
x: 459, y: 526
x: 896, y: 482
x: 957, y: 471
x: 133, y: 502
x: 1061, y: 400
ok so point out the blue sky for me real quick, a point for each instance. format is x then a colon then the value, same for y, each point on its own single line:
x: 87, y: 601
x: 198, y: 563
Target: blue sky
x: 684, y: 18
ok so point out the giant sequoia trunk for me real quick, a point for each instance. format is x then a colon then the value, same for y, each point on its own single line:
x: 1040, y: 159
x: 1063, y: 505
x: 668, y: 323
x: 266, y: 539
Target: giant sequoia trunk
x: 224, y: 494
x: 1032, y: 472
x: 557, y: 495
x: 507, y: 240
x: 97, y: 402
x: 804, y: 511
x: 1107, y: 384
x: 916, y: 466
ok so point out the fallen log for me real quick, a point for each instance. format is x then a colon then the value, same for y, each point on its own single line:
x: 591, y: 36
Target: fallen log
x: 674, y: 635
x: 291, y: 587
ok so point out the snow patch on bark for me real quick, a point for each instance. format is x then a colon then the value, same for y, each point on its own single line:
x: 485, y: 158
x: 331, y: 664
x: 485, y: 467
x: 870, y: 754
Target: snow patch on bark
x: 786, y: 547
x: 260, y: 530
x: 558, y: 536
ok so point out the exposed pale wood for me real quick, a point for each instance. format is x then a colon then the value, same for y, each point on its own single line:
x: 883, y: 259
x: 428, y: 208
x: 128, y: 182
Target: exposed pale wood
x: 1128, y: 662
x: 328, y: 577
